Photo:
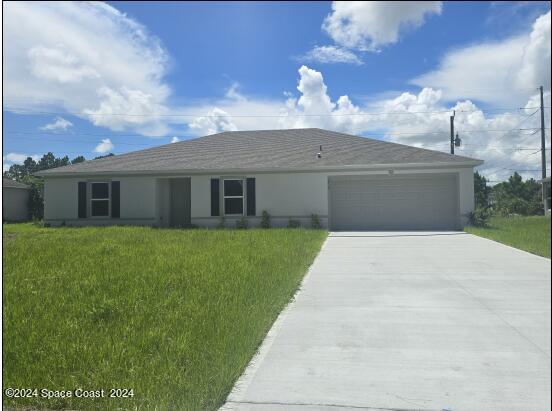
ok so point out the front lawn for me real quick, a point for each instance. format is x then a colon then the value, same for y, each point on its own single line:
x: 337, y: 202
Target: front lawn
x: 531, y: 234
x: 174, y: 315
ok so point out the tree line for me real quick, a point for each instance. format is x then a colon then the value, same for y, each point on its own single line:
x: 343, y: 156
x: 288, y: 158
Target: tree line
x: 24, y: 173
x: 511, y: 197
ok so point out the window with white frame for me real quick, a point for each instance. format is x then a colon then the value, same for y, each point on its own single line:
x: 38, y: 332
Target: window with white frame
x: 233, y: 197
x: 99, y: 200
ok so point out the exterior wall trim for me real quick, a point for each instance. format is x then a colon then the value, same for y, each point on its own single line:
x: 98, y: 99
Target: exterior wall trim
x: 224, y: 172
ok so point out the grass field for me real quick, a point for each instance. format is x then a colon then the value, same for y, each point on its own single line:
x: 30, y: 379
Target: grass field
x: 174, y: 315
x: 526, y: 233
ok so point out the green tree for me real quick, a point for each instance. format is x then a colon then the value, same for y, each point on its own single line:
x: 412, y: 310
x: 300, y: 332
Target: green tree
x: 516, y: 196
x: 79, y: 159
x: 107, y: 155
x: 481, y: 190
x: 24, y: 174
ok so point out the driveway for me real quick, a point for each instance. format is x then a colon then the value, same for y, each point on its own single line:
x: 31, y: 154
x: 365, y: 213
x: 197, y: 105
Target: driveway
x: 405, y: 321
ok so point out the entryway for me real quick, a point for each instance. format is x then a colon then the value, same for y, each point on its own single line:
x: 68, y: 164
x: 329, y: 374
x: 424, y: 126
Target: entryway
x: 180, y: 204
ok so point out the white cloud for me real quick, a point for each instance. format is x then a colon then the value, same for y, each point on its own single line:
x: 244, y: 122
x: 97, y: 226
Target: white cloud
x: 120, y: 109
x: 331, y: 54
x: 368, y: 25
x: 175, y: 139
x: 535, y: 65
x: 500, y: 72
x: 233, y: 92
x: 58, y: 65
x: 105, y: 146
x: 58, y: 124
x: 85, y: 58
x: 216, y: 121
x: 420, y: 119
x: 19, y: 158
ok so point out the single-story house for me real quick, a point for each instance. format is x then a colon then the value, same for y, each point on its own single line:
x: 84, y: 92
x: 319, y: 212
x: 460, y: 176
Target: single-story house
x: 348, y: 182
x: 15, y: 200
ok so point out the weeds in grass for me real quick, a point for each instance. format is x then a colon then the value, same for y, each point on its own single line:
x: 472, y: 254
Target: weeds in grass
x: 530, y: 234
x: 175, y: 314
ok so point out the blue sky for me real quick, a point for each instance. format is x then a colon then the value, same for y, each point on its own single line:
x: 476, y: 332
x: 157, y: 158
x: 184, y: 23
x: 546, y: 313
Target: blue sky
x: 97, y: 78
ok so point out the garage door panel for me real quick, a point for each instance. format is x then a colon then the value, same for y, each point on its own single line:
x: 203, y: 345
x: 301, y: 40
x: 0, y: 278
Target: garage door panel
x: 394, y: 202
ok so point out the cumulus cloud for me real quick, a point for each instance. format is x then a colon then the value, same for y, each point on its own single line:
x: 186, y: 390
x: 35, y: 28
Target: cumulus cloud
x: 500, y: 72
x: 331, y: 54
x: 419, y: 119
x: 175, y: 139
x: 86, y: 58
x: 369, y: 25
x: 104, y: 146
x: 58, y: 124
x: 506, y: 141
x: 216, y: 121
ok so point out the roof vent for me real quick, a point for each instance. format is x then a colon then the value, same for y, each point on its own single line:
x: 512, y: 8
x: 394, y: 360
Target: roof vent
x: 319, y: 154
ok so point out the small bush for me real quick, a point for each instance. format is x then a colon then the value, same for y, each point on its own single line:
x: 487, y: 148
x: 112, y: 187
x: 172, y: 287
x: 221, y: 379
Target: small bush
x: 519, y: 206
x: 479, y: 217
x: 294, y: 223
x: 265, y: 219
x: 315, y: 221
x: 242, y: 224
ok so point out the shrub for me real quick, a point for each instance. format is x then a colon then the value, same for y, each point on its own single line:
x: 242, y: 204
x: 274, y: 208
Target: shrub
x: 242, y: 224
x: 265, y: 219
x: 519, y: 206
x: 479, y: 217
x: 315, y: 221
x: 294, y: 223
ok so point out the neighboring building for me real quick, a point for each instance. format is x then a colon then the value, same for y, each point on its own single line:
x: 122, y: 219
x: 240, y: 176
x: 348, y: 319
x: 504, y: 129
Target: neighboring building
x: 546, y: 195
x: 15, y: 200
x: 349, y: 182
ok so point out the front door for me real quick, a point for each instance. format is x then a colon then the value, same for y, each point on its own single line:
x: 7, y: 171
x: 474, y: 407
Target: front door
x: 180, y: 202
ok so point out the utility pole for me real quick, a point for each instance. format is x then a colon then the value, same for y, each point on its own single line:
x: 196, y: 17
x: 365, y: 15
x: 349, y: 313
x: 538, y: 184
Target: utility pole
x: 543, y: 139
x: 452, y: 131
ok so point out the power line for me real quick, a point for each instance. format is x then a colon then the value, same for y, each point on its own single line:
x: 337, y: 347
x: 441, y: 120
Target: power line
x: 26, y: 111
x: 369, y: 133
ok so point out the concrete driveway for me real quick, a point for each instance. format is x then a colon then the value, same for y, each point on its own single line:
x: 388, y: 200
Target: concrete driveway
x: 409, y: 321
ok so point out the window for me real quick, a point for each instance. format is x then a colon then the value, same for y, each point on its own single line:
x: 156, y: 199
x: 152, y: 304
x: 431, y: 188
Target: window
x: 233, y: 197
x: 99, y: 200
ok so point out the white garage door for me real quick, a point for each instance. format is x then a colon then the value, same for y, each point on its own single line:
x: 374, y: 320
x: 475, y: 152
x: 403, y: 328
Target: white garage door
x: 394, y: 202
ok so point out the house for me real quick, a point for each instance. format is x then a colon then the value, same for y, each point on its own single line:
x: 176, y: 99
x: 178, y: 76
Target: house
x: 349, y: 182
x: 15, y: 200
x: 546, y: 195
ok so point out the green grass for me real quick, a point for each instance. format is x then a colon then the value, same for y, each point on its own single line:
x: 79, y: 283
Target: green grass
x: 175, y: 315
x: 531, y: 234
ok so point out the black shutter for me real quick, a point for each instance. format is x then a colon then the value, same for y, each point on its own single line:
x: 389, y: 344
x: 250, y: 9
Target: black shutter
x: 215, y: 197
x: 251, y: 196
x: 115, y: 199
x: 82, y: 199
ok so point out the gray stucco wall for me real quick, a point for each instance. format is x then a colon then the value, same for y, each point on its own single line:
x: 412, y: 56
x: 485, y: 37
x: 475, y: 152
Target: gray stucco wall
x: 145, y: 200
x: 138, y: 201
x: 15, y: 204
